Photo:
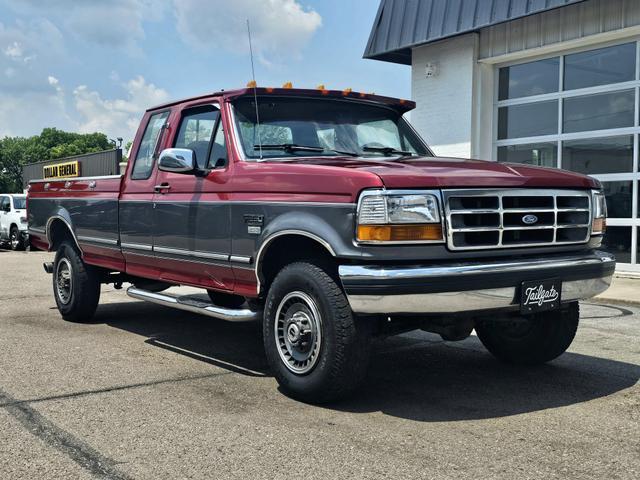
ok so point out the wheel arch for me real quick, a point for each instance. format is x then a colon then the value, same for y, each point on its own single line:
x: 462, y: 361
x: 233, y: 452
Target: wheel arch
x: 285, y: 246
x: 59, y: 228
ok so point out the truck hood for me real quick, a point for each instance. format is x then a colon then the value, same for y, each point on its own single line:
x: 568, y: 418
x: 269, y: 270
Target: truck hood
x: 439, y: 172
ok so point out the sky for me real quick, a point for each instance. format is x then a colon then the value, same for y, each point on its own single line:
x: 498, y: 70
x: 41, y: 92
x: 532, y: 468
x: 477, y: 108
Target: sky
x: 96, y: 65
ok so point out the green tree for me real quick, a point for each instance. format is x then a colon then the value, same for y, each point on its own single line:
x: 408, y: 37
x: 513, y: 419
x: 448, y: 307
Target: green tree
x: 15, y: 152
x: 126, y: 151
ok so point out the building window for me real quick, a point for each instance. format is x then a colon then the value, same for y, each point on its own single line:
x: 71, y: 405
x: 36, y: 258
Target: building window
x: 579, y: 112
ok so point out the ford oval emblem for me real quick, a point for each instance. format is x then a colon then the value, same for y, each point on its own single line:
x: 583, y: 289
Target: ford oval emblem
x: 529, y: 219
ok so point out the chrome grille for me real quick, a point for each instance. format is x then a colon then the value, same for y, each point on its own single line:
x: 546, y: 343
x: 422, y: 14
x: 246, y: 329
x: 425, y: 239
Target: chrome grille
x: 485, y: 219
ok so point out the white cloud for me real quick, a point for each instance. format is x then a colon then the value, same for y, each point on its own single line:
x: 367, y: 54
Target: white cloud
x: 115, y: 24
x: 52, y: 80
x: 116, y: 117
x: 14, y: 50
x: 279, y: 28
x: 28, y: 112
x: 21, y: 43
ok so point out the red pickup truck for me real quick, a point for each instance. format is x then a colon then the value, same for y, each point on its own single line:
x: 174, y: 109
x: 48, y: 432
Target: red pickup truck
x: 324, y: 215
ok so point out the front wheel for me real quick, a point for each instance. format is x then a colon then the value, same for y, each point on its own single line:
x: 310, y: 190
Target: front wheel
x: 317, y: 349
x: 531, y: 340
x: 76, y: 285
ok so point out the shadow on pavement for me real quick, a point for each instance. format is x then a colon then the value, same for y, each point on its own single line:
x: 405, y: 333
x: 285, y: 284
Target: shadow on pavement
x: 416, y: 377
x: 233, y: 346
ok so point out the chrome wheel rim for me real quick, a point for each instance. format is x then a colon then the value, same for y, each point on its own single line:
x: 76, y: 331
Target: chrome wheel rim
x: 14, y: 241
x: 64, y: 281
x: 298, y: 332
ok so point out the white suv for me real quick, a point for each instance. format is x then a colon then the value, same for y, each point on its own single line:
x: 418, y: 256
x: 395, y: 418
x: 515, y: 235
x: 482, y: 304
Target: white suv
x: 13, y: 221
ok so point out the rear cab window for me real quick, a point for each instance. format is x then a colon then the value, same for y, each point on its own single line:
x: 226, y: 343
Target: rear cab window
x: 147, y: 151
x: 19, y: 203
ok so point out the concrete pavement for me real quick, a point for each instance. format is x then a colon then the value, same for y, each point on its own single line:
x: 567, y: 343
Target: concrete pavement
x: 149, y: 392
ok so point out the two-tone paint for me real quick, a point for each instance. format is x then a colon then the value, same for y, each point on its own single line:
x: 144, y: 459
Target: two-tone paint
x: 214, y: 231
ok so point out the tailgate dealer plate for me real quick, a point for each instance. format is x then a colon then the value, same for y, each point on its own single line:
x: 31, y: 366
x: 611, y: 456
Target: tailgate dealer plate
x: 540, y: 295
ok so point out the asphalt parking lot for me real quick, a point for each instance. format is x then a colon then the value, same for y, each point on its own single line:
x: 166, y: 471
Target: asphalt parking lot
x: 149, y: 392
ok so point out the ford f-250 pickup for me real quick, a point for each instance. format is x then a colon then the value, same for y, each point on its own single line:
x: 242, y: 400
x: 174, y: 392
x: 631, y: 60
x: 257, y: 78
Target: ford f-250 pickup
x: 324, y: 215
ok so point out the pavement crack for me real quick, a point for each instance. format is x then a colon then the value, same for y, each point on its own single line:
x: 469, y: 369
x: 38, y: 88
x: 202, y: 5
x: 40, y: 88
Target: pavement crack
x: 80, y: 452
x: 13, y: 402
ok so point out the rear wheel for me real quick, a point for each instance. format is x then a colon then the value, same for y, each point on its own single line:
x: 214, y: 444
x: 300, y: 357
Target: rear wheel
x: 533, y: 339
x: 76, y: 286
x: 15, y: 240
x: 317, y: 349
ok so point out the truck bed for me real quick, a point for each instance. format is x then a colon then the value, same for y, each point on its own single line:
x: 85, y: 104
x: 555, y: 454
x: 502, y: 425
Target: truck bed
x: 88, y: 205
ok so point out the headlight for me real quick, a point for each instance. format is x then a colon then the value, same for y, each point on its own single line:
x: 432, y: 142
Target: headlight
x: 599, y: 221
x: 394, y: 217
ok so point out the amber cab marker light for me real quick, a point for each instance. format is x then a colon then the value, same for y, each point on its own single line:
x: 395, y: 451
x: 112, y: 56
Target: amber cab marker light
x: 287, y: 85
x: 599, y: 225
x: 252, y: 84
x: 347, y: 91
x: 399, y: 233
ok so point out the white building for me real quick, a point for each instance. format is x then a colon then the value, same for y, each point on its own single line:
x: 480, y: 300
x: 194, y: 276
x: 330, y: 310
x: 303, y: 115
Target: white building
x: 544, y: 82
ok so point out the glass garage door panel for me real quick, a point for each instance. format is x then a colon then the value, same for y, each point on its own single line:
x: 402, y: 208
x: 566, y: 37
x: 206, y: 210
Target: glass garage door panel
x: 617, y: 240
x: 595, y: 156
x: 539, y: 154
x: 579, y: 111
x: 619, y: 198
x: 599, y: 112
x: 525, y: 80
x: 529, y: 120
x: 603, y: 66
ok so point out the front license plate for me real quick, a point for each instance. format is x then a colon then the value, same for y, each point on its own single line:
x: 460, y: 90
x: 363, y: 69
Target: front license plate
x: 540, y: 295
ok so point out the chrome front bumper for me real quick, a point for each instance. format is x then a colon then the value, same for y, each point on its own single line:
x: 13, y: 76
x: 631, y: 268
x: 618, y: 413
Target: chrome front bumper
x: 473, y: 286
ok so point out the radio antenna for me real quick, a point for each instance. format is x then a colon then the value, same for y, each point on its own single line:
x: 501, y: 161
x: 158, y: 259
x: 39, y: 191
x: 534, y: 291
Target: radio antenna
x: 255, y: 88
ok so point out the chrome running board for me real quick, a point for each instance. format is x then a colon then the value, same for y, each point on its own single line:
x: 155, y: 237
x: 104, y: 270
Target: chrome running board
x: 194, y: 305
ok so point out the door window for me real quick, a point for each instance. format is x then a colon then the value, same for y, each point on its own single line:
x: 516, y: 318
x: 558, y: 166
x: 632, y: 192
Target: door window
x: 218, y: 156
x: 5, y: 203
x: 196, y: 130
x: 145, y: 157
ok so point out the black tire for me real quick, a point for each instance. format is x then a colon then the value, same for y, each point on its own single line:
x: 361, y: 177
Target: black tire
x: 15, y: 239
x: 532, y: 340
x: 81, y: 302
x: 344, y: 348
x: 225, y: 300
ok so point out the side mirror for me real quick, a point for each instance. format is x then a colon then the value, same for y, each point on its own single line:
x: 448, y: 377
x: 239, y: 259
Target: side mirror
x: 7, y: 208
x: 177, y: 160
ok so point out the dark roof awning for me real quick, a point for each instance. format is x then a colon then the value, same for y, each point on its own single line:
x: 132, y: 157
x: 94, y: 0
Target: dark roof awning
x: 403, y: 24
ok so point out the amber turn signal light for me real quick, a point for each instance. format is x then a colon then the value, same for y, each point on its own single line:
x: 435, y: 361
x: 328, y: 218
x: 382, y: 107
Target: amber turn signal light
x: 599, y: 225
x: 399, y: 233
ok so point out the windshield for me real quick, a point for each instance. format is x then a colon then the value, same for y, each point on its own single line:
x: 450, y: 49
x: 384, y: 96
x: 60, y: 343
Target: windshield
x: 303, y: 127
x: 19, y: 203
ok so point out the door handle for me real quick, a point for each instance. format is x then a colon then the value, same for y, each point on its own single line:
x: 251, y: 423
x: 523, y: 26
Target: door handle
x: 161, y: 187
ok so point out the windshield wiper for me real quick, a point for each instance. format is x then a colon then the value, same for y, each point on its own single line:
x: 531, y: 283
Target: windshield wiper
x: 387, y: 150
x: 292, y: 147
x: 343, y: 152
x: 289, y: 148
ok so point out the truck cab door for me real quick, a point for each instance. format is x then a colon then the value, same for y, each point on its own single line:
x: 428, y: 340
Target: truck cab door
x: 192, y: 234
x: 136, y: 209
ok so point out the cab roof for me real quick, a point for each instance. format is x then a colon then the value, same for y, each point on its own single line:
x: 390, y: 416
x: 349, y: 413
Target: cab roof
x: 398, y: 104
